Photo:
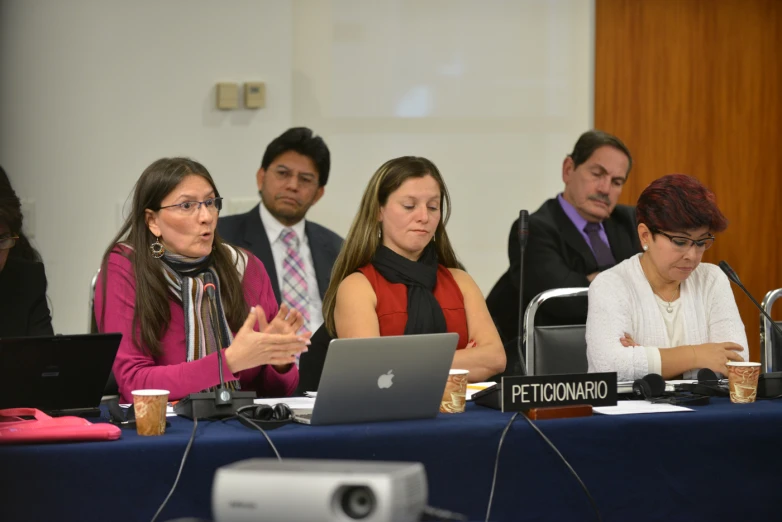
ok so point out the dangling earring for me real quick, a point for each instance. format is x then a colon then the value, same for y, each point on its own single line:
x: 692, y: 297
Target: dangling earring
x: 157, y: 249
x: 646, y: 247
x: 379, y: 233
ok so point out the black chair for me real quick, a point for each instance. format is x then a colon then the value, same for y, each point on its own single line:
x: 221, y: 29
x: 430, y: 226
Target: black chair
x: 554, y: 349
x: 770, y: 340
x: 311, y: 362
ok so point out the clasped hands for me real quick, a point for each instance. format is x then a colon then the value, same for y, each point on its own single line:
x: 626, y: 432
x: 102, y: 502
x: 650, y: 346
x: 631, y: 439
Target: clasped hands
x: 276, y: 343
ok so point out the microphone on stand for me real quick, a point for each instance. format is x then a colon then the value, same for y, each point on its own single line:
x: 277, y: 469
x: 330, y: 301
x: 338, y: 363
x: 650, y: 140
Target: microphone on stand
x: 222, y: 394
x: 523, y: 237
x: 223, y: 402
x: 769, y: 383
x: 491, y: 397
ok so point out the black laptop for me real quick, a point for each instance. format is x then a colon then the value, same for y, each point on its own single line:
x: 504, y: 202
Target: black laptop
x: 60, y: 375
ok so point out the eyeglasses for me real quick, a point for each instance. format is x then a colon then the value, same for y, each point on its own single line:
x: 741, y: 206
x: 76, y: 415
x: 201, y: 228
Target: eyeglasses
x: 683, y: 244
x: 191, y: 207
x: 8, y: 242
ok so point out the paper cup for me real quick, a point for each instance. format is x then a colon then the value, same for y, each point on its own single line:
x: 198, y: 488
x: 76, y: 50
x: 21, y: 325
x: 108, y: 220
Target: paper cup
x: 455, y: 392
x: 743, y: 381
x: 150, y: 409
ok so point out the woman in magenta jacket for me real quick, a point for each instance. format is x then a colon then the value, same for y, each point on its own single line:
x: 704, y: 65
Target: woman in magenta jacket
x: 152, y: 289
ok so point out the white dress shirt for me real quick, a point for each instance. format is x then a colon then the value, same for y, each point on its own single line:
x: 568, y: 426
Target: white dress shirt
x: 273, y: 231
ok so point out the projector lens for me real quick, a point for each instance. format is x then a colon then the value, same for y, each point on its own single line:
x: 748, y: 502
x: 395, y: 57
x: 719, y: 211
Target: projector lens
x: 358, y: 502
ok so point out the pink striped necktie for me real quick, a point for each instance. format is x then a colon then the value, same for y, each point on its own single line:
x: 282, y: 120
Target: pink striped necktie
x: 294, y: 280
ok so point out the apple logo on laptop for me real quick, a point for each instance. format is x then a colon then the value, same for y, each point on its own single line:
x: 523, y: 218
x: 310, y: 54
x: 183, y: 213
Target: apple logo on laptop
x: 385, y: 380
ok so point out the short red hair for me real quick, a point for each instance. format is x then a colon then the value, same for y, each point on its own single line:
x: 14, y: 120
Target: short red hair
x: 678, y: 203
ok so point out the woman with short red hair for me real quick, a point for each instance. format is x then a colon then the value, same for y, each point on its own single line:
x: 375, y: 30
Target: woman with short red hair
x: 663, y: 311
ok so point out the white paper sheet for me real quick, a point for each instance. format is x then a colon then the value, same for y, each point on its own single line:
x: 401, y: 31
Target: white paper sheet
x: 636, y: 407
x: 294, y: 403
x: 475, y: 387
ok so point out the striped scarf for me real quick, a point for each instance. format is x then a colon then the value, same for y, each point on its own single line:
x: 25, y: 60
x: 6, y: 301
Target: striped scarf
x: 185, y: 277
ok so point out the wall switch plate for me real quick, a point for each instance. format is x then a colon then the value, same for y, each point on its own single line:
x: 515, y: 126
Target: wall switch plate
x: 255, y: 95
x: 227, y: 96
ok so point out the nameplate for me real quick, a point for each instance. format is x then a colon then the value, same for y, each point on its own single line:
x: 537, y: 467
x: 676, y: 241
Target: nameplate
x: 521, y: 393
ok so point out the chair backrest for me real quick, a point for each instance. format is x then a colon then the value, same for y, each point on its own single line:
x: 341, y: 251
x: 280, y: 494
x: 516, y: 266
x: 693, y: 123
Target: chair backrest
x: 554, y: 349
x: 770, y: 340
x: 93, y: 323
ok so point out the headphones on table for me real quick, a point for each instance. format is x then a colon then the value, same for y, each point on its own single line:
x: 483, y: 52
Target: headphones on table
x: 265, y: 416
x: 652, y: 388
x: 708, y: 384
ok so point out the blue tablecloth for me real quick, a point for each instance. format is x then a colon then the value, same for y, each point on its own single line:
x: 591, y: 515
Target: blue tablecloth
x: 719, y: 462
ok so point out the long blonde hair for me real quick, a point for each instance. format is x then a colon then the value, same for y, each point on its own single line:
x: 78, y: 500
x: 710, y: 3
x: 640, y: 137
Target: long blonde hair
x: 363, y: 239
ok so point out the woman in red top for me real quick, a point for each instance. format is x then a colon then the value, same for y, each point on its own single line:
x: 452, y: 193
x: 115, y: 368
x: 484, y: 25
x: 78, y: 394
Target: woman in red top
x: 397, y: 273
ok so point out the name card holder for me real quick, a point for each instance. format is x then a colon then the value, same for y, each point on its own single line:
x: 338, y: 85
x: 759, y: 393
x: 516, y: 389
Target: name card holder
x: 524, y: 393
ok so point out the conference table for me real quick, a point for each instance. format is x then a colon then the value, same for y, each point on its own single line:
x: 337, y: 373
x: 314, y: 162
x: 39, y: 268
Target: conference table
x: 719, y: 462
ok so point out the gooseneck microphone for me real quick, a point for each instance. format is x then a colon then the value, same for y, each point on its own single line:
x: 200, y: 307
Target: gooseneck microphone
x: 523, y: 237
x: 769, y: 383
x: 223, y: 402
x: 735, y: 278
x: 222, y: 394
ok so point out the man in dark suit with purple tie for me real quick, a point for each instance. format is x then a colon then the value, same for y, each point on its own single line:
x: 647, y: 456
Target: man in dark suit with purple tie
x: 572, y: 237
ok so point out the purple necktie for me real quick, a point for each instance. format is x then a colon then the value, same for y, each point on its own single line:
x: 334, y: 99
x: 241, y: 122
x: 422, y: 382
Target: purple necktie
x: 602, y: 251
x: 294, y: 279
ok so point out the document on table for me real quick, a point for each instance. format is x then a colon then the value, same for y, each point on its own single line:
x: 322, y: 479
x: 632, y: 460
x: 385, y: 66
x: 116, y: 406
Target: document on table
x: 635, y: 407
x: 475, y: 387
x: 294, y: 403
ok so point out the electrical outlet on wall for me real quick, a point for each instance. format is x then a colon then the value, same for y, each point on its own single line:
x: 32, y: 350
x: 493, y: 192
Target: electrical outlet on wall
x: 255, y: 95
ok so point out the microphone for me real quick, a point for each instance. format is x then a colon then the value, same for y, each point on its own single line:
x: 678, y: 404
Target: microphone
x: 491, y: 397
x: 222, y: 394
x: 735, y: 278
x: 223, y: 402
x: 523, y: 237
x: 773, y: 387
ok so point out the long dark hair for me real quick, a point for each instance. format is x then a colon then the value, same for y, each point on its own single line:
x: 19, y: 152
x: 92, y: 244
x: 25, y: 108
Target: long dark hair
x: 11, y: 216
x: 151, y: 313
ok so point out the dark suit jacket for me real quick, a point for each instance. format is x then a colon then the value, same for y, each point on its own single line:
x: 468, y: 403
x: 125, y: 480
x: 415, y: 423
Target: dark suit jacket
x: 247, y: 231
x: 23, y: 308
x: 557, y: 256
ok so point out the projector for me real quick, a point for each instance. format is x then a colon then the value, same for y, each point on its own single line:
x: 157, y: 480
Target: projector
x: 300, y: 490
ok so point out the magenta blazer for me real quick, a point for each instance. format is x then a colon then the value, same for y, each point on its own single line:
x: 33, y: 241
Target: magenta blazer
x: 134, y: 369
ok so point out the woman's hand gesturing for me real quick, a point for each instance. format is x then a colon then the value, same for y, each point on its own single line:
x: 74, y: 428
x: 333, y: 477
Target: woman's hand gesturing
x: 277, y: 342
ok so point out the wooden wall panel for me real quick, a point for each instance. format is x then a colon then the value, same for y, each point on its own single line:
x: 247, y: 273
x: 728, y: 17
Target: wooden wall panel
x: 694, y: 86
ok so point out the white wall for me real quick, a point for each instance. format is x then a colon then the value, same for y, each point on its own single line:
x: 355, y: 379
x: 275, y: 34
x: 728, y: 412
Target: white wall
x: 92, y: 91
x: 494, y: 92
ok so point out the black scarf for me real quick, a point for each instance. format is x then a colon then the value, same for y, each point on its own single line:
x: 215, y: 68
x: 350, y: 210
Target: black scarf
x: 424, y: 314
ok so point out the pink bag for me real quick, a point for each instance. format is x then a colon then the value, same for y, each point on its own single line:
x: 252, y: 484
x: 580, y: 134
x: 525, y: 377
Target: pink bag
x: 15, y: 430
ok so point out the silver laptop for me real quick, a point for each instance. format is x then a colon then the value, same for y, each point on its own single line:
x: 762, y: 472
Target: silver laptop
x: 382, y: 379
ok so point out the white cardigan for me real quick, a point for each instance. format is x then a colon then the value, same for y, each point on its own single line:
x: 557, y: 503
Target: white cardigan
x: 621, y: 300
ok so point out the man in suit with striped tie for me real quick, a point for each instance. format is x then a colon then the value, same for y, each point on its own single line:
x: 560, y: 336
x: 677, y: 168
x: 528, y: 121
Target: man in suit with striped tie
x: 298, y: 254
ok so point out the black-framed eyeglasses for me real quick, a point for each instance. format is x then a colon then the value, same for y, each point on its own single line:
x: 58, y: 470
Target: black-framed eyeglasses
x: 8, y: 242
x: 191, y: 207
x: 685, y: 243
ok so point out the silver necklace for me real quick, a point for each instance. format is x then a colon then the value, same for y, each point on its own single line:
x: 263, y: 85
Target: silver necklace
x: 668, y: 308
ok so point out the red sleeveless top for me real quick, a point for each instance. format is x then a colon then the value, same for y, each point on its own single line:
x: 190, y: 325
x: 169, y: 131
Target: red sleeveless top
x: 392, y: 303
